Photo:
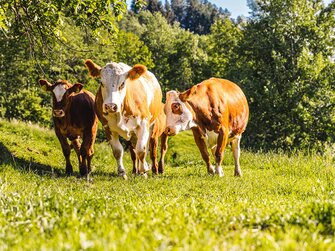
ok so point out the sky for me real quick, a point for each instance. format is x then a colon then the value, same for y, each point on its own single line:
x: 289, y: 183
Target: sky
x: 235, y: 7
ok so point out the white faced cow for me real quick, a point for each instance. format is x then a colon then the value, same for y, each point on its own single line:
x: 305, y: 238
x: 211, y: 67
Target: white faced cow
x: 127, y: 103
x: 216, y: 110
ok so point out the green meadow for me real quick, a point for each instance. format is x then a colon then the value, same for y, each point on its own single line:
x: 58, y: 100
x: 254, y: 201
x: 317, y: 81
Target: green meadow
x: 282, y: 202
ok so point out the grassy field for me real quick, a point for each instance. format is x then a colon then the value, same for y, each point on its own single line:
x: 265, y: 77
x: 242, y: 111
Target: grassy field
x: 281, y: 203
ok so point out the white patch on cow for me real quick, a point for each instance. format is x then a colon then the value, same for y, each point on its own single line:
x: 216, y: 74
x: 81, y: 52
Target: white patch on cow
x: 142, y: 134
x: 118, y: 153
x: 149, y: 90
x: 177, y: 122
x: 59, y: 92
x: 123, y: 125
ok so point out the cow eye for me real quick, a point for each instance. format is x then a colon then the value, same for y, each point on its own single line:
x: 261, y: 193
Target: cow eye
x: 121, y: 86
x: 176, y: 108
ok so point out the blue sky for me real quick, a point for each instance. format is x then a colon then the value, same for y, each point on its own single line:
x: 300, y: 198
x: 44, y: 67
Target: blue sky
x: 235, y: 7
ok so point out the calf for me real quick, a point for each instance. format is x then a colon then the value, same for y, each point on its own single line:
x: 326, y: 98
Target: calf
x: 216, y: 110
x: 128, y: 103
x: 74, y: 118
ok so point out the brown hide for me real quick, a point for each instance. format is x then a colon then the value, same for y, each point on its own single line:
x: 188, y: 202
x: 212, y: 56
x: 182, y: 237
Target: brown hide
x: 79, y: 115
x: 219, y: 104
x: 158, y: 132
x: 80, y: 121
x: 135, y: 103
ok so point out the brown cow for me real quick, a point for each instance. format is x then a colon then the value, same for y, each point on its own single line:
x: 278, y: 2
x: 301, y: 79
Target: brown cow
x: 128, y: 102
x: 216, y: 110
x: 74, y: 118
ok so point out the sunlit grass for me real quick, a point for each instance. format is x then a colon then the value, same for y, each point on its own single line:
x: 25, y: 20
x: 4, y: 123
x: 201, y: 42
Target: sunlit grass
x: 281, y: 202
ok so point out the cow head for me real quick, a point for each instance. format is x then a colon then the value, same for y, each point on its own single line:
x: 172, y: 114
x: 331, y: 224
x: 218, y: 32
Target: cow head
x: 60, y: 90
x: 179, y: 114
x: 113, y: 82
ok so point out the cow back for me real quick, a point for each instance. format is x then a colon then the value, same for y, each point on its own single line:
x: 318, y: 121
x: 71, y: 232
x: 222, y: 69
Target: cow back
x: 81, y: 112
x: 219, y: 102
x: 143, y: 97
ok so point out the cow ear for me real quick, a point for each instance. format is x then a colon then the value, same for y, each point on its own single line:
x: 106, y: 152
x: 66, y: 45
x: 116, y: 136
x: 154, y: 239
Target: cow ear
x: 186, y: 95
x: 75, y: 88
x: 137, y: 71
x: 45, y: 85
x: 94, y: 69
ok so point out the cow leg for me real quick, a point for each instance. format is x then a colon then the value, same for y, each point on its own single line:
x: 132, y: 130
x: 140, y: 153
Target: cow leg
x: 220, y: 147
x: 86, y: 153
x: 76, y: 146
x: 133, y: 158
x: 91, y: 146
x: 142, y: 134
x: 153, y: 154
x: 164, y: 146
x: 66, y: 148
x: 236, y: 152
x: 199, y: 140
x: 118, y: 154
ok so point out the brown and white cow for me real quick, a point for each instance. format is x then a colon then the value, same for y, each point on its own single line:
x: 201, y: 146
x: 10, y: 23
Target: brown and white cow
x: 216, y: 110
x: 74, y: 119
x: 128, y: 102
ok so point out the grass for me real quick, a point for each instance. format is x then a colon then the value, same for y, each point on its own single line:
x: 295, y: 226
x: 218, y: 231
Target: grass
x: 281, y: 203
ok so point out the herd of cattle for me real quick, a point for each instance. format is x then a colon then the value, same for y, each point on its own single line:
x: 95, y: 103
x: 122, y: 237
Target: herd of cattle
x: 129, y: 104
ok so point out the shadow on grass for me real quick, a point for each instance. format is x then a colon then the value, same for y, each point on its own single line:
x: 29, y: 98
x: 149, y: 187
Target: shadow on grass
x: 22, y: 164
x: 6, y: 157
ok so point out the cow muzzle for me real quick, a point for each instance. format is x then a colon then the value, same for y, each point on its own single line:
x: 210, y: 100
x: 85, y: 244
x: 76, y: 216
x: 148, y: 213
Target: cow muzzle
x: 58, y: 113
x: 170, y: 131
x: 111, y: 108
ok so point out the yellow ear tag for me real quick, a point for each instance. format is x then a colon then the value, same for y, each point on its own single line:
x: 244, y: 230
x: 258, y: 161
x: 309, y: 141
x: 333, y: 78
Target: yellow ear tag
x: 44, y: 88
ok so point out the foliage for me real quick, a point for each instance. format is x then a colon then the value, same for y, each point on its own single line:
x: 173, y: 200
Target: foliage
x: 194, y: 15
x: 175, y: 52
x: 282, y: 202
x: 41, y: 22
x: 26, y: 105
x: 222, y: 43
x: 287, y: 74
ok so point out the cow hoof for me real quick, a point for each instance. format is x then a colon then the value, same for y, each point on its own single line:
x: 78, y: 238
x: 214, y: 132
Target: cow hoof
x: 218, y: 171
x: 238, y: 174
x: 84, y: 177
x: 144, y: 175
x: 123, y: 175
x: 211, y: 170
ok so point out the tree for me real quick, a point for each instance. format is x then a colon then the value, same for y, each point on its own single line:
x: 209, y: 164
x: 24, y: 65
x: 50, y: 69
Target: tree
x: 179, y: 58
x: 222, y: 42
x: 41, y: 22
x: 285, y: 66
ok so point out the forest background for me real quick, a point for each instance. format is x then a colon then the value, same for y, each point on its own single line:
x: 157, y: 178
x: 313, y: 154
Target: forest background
x: 282, y: 56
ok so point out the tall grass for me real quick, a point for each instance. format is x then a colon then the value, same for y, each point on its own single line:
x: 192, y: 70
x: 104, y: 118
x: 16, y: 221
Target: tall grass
x: 281, y: 202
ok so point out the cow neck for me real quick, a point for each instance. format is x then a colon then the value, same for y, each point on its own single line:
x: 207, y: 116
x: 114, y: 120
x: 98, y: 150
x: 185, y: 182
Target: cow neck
x: 196, y: 119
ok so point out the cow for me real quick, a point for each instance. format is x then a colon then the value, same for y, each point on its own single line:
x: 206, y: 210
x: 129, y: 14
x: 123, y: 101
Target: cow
x: 128, y: 103
x: 216, y: 110
x: 74, y: 119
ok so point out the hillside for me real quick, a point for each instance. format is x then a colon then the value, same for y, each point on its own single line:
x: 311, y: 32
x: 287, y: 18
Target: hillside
x: 281, y: 203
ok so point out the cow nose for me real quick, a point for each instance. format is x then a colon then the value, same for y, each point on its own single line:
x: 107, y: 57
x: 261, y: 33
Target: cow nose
x: 58, y: 113
x: 111, y: 107
x: 169, y: 131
